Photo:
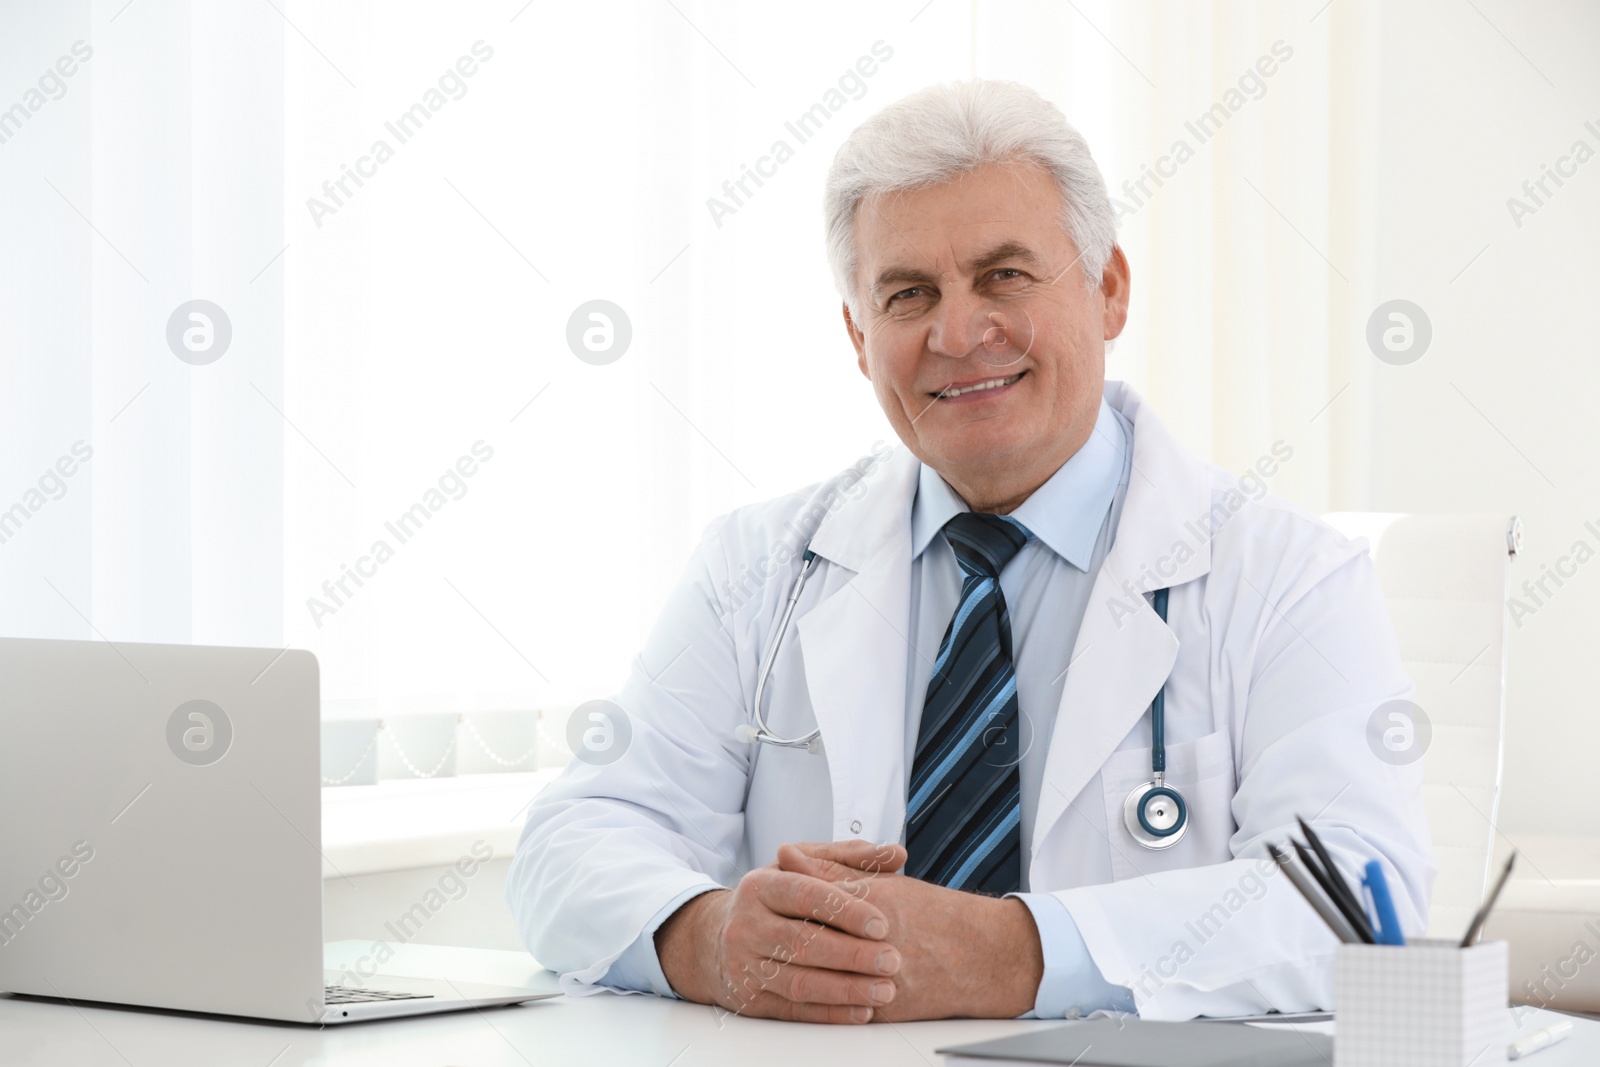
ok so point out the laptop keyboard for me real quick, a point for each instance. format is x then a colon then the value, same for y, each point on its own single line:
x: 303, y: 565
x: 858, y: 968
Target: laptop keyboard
x: 343, y: 994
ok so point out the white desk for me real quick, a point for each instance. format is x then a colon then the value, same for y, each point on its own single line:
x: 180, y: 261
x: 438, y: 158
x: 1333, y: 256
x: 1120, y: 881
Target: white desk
x: 603, y: 1030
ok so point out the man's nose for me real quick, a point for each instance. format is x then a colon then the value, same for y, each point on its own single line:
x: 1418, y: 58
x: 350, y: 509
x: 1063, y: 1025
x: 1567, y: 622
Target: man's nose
x: 959, y: 326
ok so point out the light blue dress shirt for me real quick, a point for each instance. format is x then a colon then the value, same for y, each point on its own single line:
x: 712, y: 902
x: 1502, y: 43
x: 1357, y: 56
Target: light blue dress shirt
x: 1071, y: 520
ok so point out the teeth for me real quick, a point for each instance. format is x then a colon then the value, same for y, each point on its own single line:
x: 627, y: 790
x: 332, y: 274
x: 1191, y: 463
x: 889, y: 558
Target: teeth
x: 994, y: 383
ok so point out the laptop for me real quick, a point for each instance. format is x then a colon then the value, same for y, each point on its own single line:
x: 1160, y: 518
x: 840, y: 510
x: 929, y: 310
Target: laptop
x: 161, y: 839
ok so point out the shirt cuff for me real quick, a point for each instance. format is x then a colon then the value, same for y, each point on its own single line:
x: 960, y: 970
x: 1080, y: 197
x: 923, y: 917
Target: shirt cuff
x: 1072, y: 985
x: 638, y: 969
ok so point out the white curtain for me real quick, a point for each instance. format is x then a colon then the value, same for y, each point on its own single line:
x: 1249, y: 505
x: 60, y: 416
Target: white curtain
x: 145, y: 178
x: 400, y: 342
x: 1252, y: 257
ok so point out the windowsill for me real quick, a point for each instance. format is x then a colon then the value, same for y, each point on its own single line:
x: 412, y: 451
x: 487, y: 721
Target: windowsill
x: 405, y: 824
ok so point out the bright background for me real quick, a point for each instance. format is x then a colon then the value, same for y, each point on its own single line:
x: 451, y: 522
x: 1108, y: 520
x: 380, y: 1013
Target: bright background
x: 429, y: 312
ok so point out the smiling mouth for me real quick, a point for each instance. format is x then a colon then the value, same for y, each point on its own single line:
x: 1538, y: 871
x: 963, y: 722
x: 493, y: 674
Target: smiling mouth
x: 988, y: 385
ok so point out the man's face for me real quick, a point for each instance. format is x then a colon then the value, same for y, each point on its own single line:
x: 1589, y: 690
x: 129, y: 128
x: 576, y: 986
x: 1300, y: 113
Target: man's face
x: 974, y: 282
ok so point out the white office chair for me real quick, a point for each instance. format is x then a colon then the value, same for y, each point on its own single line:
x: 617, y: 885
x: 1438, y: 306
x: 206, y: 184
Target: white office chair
x: 1445, y: 581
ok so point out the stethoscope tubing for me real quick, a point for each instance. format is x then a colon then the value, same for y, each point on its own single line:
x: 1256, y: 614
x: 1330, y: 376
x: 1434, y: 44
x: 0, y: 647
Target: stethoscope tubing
x: 762, y: 734
x: 1137, y: 809
x: 1158, y: 706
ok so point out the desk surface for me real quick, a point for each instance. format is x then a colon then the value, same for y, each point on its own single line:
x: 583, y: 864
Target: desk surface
x: 601, y: 1030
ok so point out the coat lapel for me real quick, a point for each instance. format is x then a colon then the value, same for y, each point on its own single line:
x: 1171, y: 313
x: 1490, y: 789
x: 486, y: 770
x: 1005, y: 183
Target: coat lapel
x: 1124, y: 651
x: 1122, y: 657
x: 855, y: 644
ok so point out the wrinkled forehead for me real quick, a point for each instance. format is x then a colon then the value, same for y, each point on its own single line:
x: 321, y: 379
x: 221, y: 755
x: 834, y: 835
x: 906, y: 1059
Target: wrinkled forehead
x: 982, y: 219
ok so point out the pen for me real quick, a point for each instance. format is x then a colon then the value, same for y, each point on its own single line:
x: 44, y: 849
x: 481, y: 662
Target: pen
x: 1483, y: 912
x: 1355, y: 916
x: 1321, y: 905
x: 1343, y: 890
x: 1387, y: 928
x: 1539, y: 1039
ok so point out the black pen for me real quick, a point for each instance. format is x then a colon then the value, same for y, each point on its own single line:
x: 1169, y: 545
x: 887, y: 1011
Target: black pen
x: 1351, y: 900
x: 1326, y: 910
x: 1488, y: 905
x: 1356, y: 917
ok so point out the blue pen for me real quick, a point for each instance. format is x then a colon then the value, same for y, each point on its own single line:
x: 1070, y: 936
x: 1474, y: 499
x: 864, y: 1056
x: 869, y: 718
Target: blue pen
x: 1387, y: 926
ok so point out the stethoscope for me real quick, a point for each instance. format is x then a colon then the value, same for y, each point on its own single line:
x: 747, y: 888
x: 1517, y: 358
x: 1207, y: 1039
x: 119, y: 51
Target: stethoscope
x: 1154, y: 812
x: 758, y: 731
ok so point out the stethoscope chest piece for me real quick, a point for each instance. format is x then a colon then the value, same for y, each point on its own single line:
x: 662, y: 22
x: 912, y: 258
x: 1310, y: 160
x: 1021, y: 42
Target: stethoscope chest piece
x: 1156, y: 816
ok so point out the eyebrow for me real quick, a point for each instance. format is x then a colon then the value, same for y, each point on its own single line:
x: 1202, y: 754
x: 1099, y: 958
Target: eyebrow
x: 1006, y: 250
x: 890, y: 277
x: 1002, y: 252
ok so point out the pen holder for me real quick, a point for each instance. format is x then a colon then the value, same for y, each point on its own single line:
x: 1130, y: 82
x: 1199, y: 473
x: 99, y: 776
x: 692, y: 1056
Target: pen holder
x: 1423, y: 1004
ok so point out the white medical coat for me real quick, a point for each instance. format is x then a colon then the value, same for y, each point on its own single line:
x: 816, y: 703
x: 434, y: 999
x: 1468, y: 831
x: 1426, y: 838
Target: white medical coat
x: 1276, y: 651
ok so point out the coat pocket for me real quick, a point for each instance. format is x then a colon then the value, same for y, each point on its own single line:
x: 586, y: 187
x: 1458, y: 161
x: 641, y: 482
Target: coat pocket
x: 1202, y: 773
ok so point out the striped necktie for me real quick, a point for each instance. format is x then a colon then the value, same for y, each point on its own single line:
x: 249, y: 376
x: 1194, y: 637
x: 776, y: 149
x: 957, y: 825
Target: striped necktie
x: 964, y: 811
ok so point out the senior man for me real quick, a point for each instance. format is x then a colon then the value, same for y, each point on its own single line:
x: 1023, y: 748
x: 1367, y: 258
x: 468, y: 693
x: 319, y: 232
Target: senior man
x: 958, y: 650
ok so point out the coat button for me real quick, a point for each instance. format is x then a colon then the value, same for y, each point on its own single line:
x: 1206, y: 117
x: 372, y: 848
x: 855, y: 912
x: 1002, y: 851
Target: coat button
x: 855, y: 826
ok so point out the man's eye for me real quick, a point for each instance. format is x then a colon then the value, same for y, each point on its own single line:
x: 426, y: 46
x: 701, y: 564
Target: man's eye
x: 1006, y: 274
x: 908, y: 294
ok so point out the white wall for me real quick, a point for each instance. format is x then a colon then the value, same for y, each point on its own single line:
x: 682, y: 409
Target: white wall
x: 1499, y: 415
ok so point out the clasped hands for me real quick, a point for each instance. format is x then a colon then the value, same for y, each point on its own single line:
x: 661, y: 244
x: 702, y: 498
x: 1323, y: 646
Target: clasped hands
x: 832, y: 932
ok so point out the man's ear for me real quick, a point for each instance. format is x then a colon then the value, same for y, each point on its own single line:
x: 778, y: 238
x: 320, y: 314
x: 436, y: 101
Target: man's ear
x: 858, y: 339
x: 1115, y: 282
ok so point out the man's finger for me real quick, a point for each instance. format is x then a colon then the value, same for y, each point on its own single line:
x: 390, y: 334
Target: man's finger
x: 860, y: 855
x: 795, y: 859
x: 848, y: 860
x: 800, y: 896
x: 772, y: 1006
x: 809, y: 985
x: 812, y: 945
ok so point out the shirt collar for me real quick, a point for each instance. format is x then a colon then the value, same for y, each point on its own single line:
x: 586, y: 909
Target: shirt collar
x: 1065, y: 513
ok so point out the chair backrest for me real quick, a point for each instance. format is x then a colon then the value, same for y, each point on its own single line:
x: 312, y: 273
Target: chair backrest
x: 1445, y: 582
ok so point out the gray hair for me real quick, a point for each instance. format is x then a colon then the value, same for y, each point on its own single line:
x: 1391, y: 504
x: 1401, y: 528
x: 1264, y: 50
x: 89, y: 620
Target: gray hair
x: 938, y: 133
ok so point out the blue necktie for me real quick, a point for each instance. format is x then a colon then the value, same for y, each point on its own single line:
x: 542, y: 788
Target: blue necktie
x: 964, y: 811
